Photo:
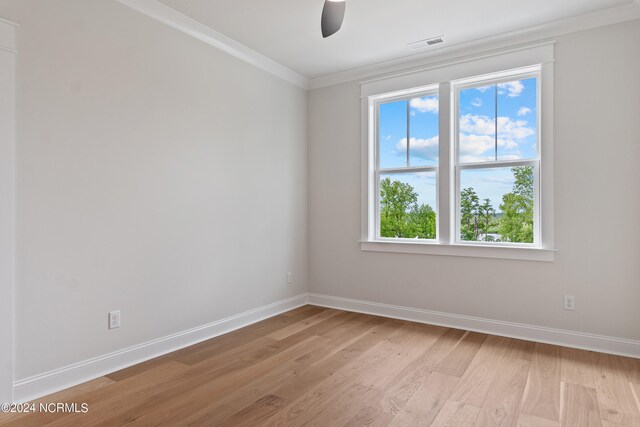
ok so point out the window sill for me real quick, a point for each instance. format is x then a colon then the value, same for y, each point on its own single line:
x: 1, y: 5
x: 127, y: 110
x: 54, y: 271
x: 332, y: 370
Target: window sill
x: 465, y: 250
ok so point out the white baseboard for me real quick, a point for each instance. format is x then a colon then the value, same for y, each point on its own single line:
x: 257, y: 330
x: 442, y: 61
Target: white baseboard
x: 49, y: 382
x: 581, y: 340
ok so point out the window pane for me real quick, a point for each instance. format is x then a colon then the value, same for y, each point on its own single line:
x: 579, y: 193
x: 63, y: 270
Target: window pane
x: 497, y: 204
x: 517, y: 118
x: 477, y: 124
x: 424, y: 126
x: 407, y: 205
x: 393, y: 135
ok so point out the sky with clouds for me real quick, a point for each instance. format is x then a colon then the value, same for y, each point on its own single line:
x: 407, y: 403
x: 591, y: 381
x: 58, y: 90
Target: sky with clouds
x: 482, y: 137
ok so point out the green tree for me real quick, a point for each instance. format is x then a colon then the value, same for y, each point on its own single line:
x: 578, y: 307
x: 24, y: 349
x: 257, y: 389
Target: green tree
x: 422, y: 222
x: 396, y: 201
x: 469, y: 211
x: 486, y: 214
x: 400, y: 214
x: 516, y: 222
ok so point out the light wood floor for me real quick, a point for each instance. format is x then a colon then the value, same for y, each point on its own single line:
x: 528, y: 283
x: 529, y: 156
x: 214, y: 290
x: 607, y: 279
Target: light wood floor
x: 328, y: 367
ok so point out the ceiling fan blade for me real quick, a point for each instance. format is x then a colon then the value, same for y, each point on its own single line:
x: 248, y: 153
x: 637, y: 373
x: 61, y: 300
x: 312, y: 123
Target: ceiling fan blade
x: 332, y: 16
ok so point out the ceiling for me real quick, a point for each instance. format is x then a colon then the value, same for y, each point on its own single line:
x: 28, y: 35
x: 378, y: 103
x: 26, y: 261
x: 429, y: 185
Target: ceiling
x: 288, y: 31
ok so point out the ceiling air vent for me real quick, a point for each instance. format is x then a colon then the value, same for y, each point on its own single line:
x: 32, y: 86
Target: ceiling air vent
x: 422, y: 44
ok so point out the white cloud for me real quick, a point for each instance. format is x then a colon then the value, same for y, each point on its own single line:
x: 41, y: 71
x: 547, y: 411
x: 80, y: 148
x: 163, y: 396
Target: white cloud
x: 477, y: 139
x: 475, y: 145
x: 482, y: 147
x: 523, y: 111
x: 423, y: 148
x: 514, y: 88
x: 477, y: 102
x: 516, y: 129
x: 426, y: 104
x: 507, y: 144
x: 477, y: 124
x: 507, y: 128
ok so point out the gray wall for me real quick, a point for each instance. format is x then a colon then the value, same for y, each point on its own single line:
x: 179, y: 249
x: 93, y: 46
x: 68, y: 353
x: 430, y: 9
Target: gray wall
x: 7, y: 207
x: 155, y: 175
x: 597, y: 149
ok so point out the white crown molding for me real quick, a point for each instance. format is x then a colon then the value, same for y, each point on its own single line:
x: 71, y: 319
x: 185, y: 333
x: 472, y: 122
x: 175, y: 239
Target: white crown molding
x: 580, y: 340
x: 500, y: 41
x: 58, y: 379
x: 195, y: 29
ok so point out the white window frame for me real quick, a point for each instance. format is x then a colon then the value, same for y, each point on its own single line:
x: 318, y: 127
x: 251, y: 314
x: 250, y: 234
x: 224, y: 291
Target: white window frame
x: 375, y: 126
x: 449, y: 77
x: 495, y: 79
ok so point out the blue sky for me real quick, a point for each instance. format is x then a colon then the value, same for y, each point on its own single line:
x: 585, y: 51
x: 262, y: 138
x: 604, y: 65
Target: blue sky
x: 516, y: 139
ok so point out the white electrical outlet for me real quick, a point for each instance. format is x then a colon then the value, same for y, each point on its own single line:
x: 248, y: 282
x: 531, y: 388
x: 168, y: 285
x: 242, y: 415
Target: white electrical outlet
x: 114, y: 319
x: 569, y: 302
x: 289, y: 277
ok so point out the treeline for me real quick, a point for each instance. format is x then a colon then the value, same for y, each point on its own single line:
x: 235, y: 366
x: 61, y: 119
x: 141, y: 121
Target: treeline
x: 402, y: 217
x: 400, y: 214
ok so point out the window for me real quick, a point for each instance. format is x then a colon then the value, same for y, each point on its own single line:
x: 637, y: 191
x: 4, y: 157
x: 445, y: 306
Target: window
x: 497, y: 159
x: 407, y: 164
x: 462, y: 167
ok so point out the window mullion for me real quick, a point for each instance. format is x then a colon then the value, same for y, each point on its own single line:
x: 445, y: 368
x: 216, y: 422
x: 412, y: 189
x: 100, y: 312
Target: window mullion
x: 408, y: 132
x: 496, y: 121
x: 376, y: 206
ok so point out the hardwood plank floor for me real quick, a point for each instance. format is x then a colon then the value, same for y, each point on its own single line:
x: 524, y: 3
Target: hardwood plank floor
x: 326, y: 367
